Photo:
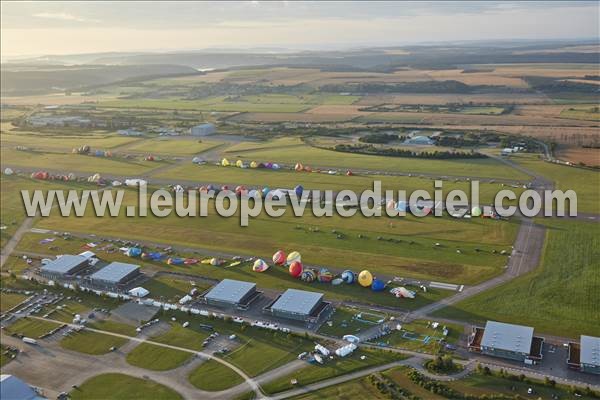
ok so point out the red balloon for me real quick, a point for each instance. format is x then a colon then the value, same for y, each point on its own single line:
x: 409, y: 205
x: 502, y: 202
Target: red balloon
x: 296, y: 269
x: 279, y: 257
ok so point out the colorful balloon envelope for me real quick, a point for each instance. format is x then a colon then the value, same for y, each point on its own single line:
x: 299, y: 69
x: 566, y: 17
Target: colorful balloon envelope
x: 391, y: 205
x: 134, y: 252
x: 299, y: 190
x: 296, y: 269
x: 241, y: 190
x: 378, y: 285
x: 337, y: 281
x: 476, y: 212
x: 293, y: 256
x: 325, y: 276
x: 265, y: 191
x: 279, y: 257
x: 299, y: 167
x: 253, y: 164
x: 224, y: 188
x: 225, y: 162
x: 365, y: 279
x: 308, y: 275
x: 348, y: 276
x: 145, y: 256
x: 260, y: 266
x: 239, y: 163
x: 215, y: 262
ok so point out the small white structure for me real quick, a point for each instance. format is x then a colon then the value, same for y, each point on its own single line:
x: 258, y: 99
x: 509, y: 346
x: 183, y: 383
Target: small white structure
x: 346, y: 350
x: 322, y: 349
x: 138, y: 292
x: 203, y: 130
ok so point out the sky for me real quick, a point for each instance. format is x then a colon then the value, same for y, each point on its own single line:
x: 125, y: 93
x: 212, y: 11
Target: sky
x: 47, y: 27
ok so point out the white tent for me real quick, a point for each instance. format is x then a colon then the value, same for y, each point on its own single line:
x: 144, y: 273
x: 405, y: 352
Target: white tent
x: 139, y: 292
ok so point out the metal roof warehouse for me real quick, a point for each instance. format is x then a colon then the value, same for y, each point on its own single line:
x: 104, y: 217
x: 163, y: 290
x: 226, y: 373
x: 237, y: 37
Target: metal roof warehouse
x: 299, y: 304
x: 65, y: 265
x: 115, y: 273
x: 231, y: 292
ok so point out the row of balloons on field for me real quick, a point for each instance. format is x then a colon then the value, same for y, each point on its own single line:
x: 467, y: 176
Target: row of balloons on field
x: 297, y: 270
x: 240, y: 164
x: 242, y: 190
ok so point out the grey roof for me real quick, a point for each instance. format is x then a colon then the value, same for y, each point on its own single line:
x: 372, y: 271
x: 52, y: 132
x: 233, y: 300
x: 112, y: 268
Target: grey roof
x: 115, y: 271
x: 297, y: 301
x: 230, y: 290
x: 516, y: 338
x: 12, y: 388
x: 590, y: 350
x: 64, y: 264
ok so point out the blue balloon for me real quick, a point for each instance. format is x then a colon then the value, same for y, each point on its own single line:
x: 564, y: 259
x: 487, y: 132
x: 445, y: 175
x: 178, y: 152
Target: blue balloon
x: 348, y: 276
x: 134, y: 252
x: 377, y: 285
x: 265, y: 191
x: 401, y: 206
x: 299, y: 190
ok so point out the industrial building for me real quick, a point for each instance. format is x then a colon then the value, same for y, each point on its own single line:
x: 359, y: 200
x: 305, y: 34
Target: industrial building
x: 299, y: 305
x: 203, y: 130
x: 585, y: 355
x: 12, y: 387
x: 514, y: 342
x: 115, y: 274
x: 65, y: 267
x: 232, y: 293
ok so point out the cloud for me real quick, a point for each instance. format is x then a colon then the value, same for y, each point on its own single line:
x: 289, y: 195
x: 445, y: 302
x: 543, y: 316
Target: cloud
x: 63, y: 16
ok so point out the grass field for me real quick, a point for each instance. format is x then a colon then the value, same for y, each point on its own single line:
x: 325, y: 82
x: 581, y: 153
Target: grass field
x: 427, y: 337
x: 351, y: 390
x: 119, y: 387
x: 182, y: 337
x: 344, y: 323
x: 89, y: 342
x: 64, y: 143
x: 564, y: 288
x: 113, y: 326
x: 588, y: 112
x: 332, y: 368
x: 10, y: 300
x: 166, y: 288
x: 32, y: 328
x: 586, y: 183
x: 176, y: 147
x: 6, y: 355
x: 213, y: 376
x: 157, y: 358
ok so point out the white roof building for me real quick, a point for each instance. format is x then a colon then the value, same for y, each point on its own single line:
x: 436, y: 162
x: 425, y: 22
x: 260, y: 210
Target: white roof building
x: 507, y: 337
x: 12, y: 388
x: 590, y: 351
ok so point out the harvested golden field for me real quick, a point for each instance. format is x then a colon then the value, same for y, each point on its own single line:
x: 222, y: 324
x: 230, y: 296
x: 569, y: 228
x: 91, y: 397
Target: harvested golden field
x: 545, y: 70
x: 576, y: 155
x: 479, y: 78
x: 440, y: 99
x: 54, y: 99
x: 586, y: 81
x: 348, y: 110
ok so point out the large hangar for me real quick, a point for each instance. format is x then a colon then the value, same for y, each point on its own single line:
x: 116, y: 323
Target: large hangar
x: 514, y: 342
x: 232, y: 293
x: 299, y: 305
x: 115, y: 274
x: 65, y: 266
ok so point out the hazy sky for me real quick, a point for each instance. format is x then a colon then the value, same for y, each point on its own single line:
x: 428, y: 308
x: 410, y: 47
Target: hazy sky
x: 45, y: 27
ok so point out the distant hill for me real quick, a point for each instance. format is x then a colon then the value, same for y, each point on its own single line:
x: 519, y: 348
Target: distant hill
x: 23, y: 79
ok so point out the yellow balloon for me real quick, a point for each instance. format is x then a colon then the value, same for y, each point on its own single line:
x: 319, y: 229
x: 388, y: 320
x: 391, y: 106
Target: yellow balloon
x: 225, y: 162
x: 365, y: 278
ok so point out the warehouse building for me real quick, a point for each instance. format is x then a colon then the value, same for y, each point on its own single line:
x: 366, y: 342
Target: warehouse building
x: 203, y: 130
x: 585, y: 355
x: 299, y: 305
x: 65, y: 267
x: 232, y: 293
x: 12, y: 388
x: 514, y: 342
x: 115, y: 275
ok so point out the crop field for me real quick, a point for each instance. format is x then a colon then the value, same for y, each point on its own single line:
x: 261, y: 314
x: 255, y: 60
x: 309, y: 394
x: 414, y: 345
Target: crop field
x: 268, y: 117
x: 76, y: 162
x: 213, y: 376
x: 340, y: 366
x: 493, y: 78
x: 171, y: 146
x: 157, y: 358
x: 576, y: 155
x: 283, y: 141
x: 555, y: 291
x: 32, y: 328
x: 449, y: 98
x: 120, y: 386
x: 91, y: 342
x: 589, y: 112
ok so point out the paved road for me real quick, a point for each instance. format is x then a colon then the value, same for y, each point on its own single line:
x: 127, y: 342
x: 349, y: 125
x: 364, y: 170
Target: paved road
x: 12, y: 243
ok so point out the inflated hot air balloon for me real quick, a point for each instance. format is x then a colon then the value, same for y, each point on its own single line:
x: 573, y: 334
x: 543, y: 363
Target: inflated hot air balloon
x: 296, y: 269
x: 239, y: 164
x: 175, y: 261
x: 260, y: 266
x: 225, y: 162
x: 265, y: 191
x: 269, y: 165
x: 215, y: 262
x: 71, y: 176
x: 401, y: 206
x: 99, y: 153
x: 241, y: 190
x: 261, y: 165
x: 275, y: 166
x: 294, y: 256
x: 348, y: 276
x: 337, y: 281
x: 378, y: 285
x: 253, y: 164
x: 224, y: 188
x: 325, y: 276
x: 202, y: 189
x: 308, y: 276
x: 476, y: 212
x: 149, y: 158
x: 279, y: 257
x: 299, y: 167
x: 391, y: 205
x: 107, y: 154
x: 307, y: 168
x: 8, y: 171
x: 134, y: 252
x: 365, y: 279
x: 349, y: 173
x: 211, y: 187
x: 253, y: 193
x: 299, y: 190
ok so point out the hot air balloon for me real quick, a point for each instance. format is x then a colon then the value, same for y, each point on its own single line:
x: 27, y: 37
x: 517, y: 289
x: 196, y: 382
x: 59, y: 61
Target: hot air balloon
x: 241, y: 190
x: 402, y: 292
x: 253, y: 193
x: 253, y: 164
x: 202, y: 189
x: 308, y: 275
x: 175, y: 261
x: 349, y: 173
x: 8, y: 171
x: 134, y: 252
x: 265, y: 191
x: 476, y: 212
x: 378, y: 285
x: 365, y: 279
x: 224, y: 188
x: 269, y: 165
x: 239, y: 164
x: 299, y: 190
x: 275, y: 166
x: 260, y: 266
x: 108, y: 154
x: 299, y: 167
x: 391, y: 205
x: 225, y: 162
x: 145, y: 256
x: 149, y: 158
x: 279, y: 257
x: 307, y: 168
x: 294, y: 256
x: 348, y: 276
x: 296, y: 269
x: 337, y: 281
x: 325, y: 276
x: 215, y: 262
x: 401, y: 206
x: 211, y: 187
x: 196, y: 160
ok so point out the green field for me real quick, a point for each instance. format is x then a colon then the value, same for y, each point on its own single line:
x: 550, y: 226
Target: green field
x: 331, y: 368
x: 182, y: 337
x: 173, y: 146
x: 586, y: 183
x: 315, y: 157
x: 89, y: 342
x: 167, y: 288
x: 426, y: 337
x: 564, y: 288
x: 587, y: 112
x: 213, y: 376
x: 6, y: 355
x: 351, y: 390
x: 343, y: 323
x: 64, y: 143
x: 10, y: 300
x: 114, y: 327
x: 31, y: 328
x: 120, y: 387
x: 157, y: 358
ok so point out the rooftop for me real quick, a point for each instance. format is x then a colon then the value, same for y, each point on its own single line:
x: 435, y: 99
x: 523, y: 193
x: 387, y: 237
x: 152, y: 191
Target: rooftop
x: 516, y: 338
x: 297, y: 301
x: 64, y: 264
x: 14, y: 388
x: 230, y: 291
x: 590, y: 350
x: 115, y: 271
